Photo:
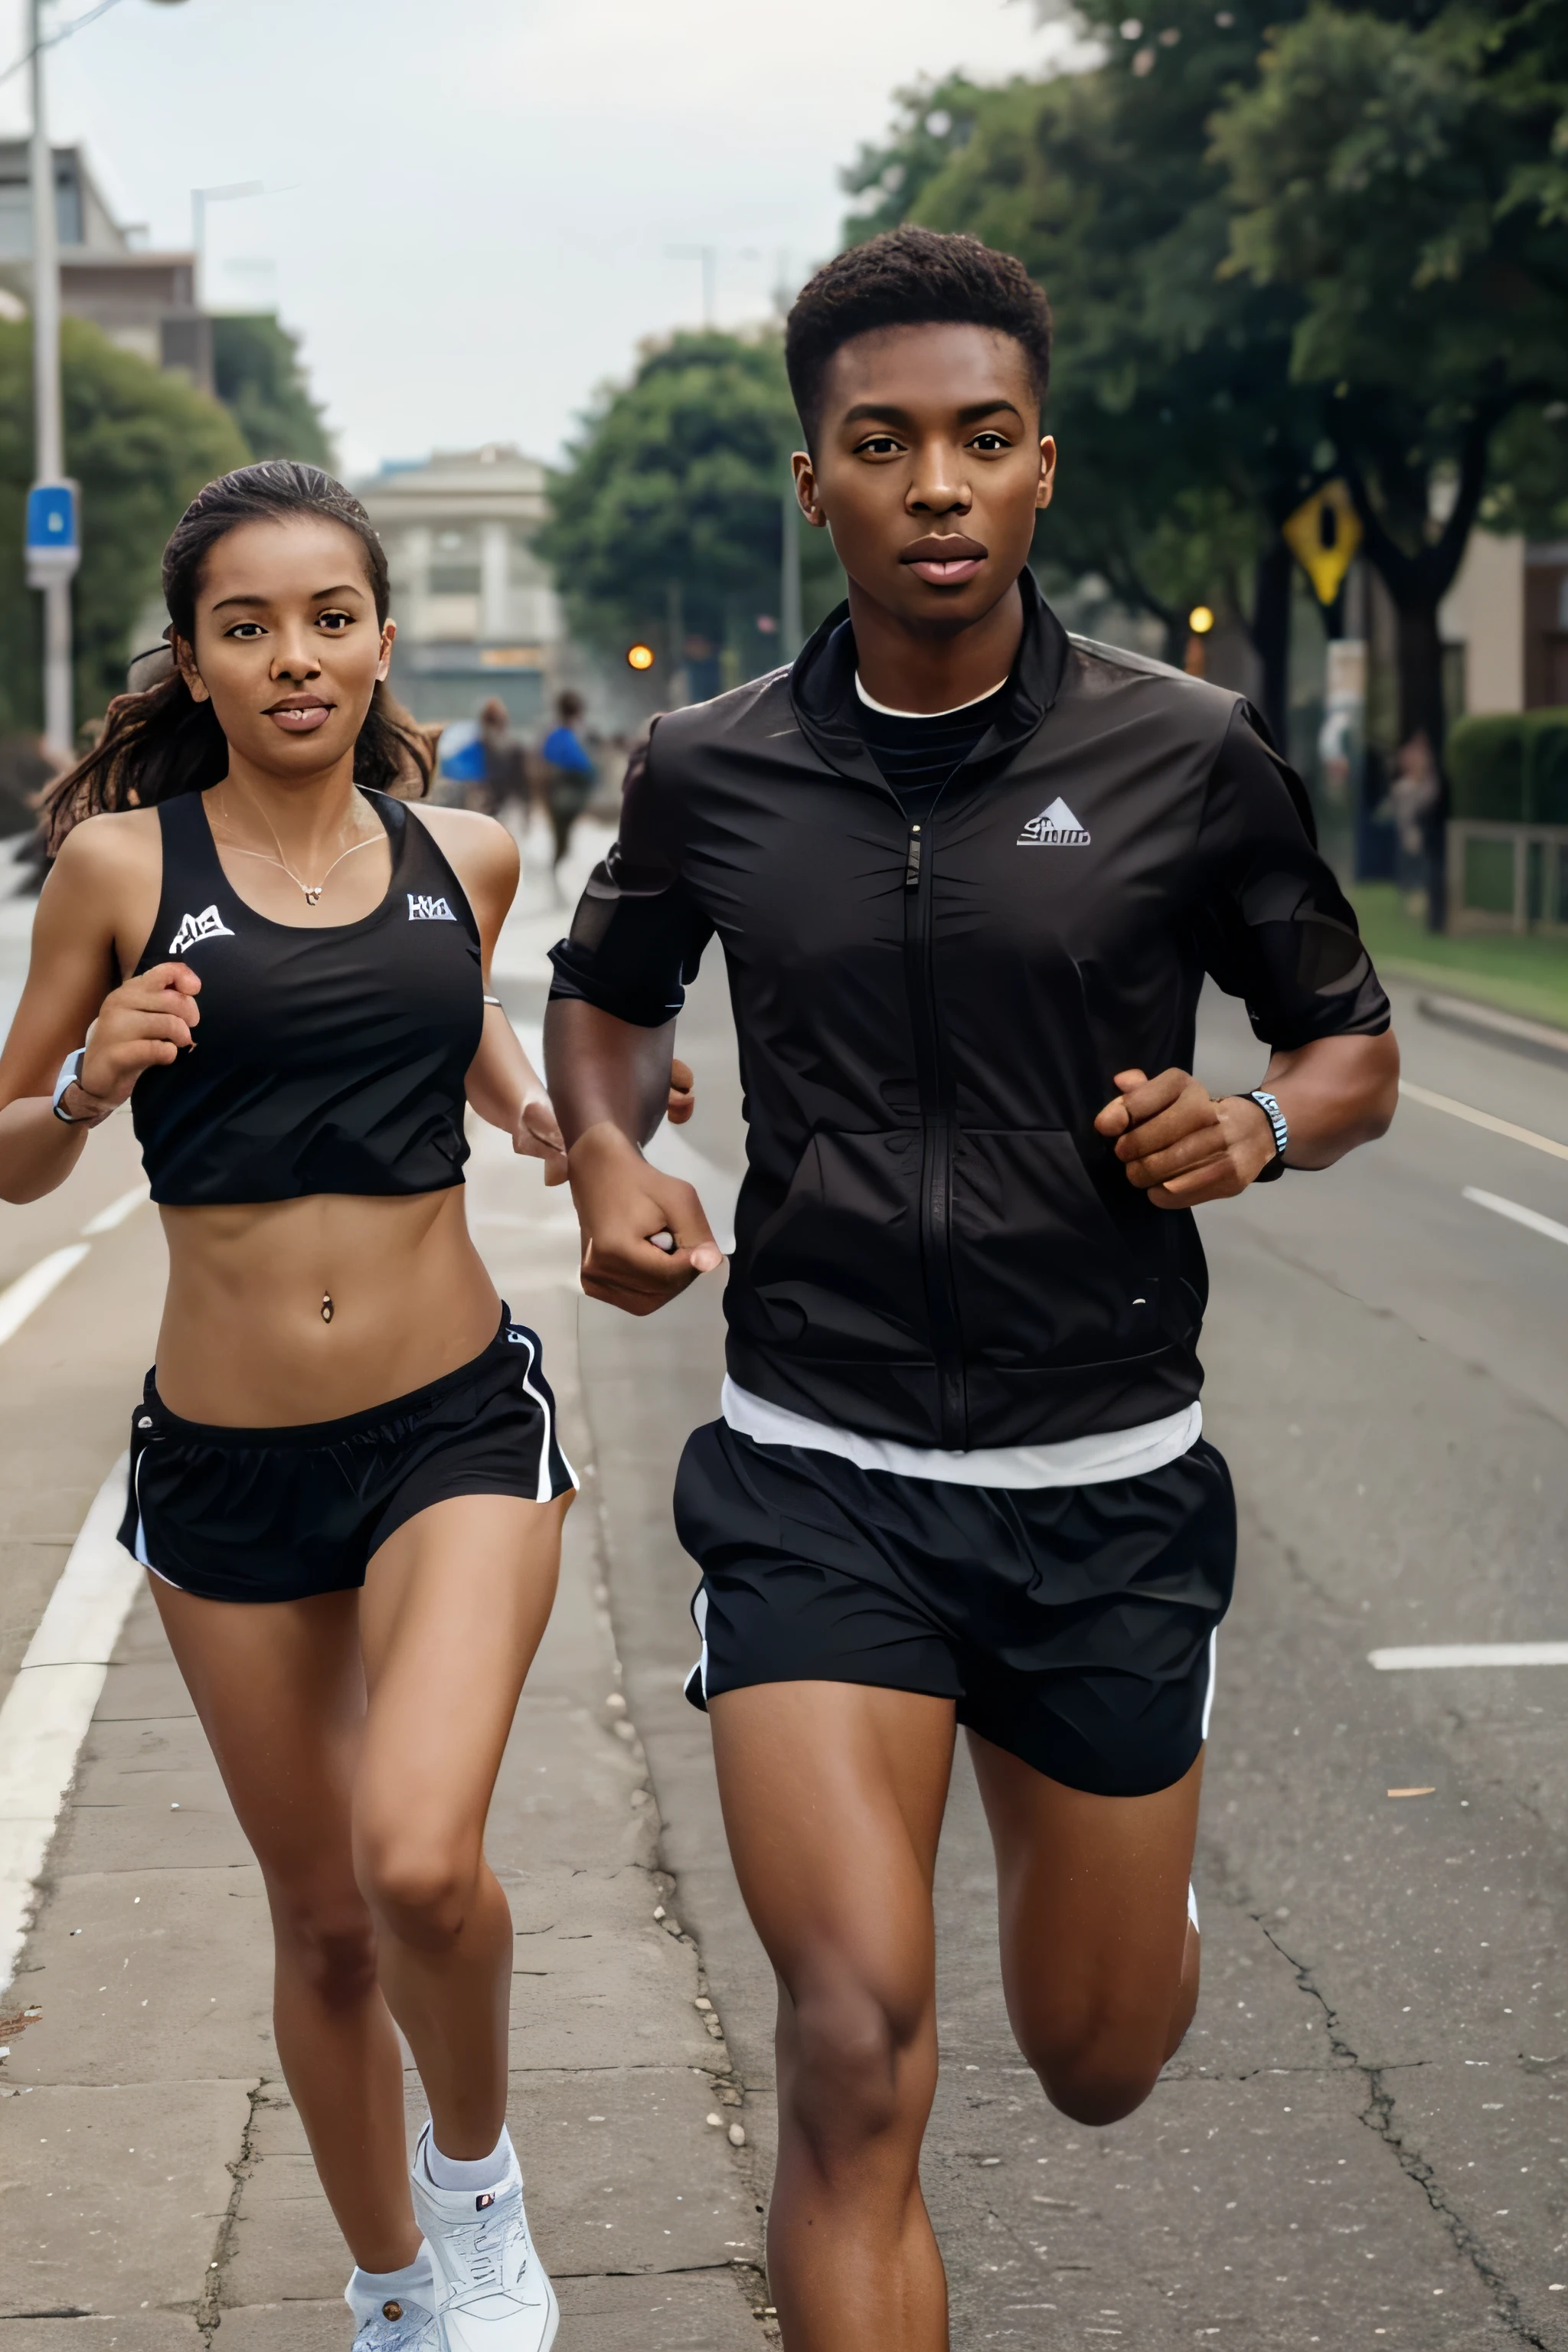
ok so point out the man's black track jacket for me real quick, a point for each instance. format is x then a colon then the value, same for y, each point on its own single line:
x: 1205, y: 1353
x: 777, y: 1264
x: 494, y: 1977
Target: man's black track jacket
x: 933, y: 1245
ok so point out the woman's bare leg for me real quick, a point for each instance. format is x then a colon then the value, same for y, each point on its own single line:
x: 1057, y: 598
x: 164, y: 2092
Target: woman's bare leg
x: 449, y: 1621
x: 280, y: 1689
x: 1099, y: 1961
x: 832, y: 1798
x: 455, y: 1605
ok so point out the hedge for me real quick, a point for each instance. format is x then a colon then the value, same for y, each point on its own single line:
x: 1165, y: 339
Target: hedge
x: 1511, y: 767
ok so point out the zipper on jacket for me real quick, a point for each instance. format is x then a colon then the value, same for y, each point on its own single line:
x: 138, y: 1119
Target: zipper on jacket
x: 938, y: 1127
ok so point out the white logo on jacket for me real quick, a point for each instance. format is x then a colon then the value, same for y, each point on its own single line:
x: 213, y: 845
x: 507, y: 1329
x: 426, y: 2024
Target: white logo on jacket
x: 422, y: 909
x: 208, y: 925
x: 1054, y: 828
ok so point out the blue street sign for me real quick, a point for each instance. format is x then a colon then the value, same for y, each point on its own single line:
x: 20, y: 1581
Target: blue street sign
x: 53, y: 550
x: 51, y: 517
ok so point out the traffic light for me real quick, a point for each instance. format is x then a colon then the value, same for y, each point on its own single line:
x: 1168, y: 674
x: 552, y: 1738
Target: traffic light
x: 640, y: 656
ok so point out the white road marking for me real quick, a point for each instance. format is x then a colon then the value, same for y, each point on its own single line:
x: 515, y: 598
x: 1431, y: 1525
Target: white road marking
x: 116, y: 1212
x: 31, y: 1289
x: 1471, y: 1654
x: 1522, y: 1216
x: 1430, y: 1101
x: 49, y: 1705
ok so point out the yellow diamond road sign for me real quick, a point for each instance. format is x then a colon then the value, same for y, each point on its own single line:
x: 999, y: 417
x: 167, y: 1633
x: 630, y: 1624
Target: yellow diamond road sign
x: 1323, y: 535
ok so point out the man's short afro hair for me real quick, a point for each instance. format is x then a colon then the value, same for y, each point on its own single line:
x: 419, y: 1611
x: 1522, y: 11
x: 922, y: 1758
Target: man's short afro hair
x: 912, y: 278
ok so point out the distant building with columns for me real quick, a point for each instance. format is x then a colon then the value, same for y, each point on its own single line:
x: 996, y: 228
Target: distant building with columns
x: 476, y: 609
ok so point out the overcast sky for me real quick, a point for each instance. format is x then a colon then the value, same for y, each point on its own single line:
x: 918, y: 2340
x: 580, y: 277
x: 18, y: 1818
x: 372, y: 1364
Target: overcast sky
x: 470, y: 201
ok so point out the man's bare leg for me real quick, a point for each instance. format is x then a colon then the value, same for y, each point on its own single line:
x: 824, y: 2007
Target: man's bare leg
x: 1099, y: 1961
x: 833, y: 1796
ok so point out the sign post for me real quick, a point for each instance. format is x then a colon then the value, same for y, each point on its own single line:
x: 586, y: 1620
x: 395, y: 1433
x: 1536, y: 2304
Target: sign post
x: 53, y: 545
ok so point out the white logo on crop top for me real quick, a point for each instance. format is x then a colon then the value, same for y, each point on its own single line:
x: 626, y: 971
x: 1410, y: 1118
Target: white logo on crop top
x: 208, y: 925
x: 422, y: 909
x: 1054, y: 828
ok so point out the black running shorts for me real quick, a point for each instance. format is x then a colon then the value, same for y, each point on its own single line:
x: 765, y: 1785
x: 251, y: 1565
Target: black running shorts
x: 1073, y: 1625
x: 283, y: 1514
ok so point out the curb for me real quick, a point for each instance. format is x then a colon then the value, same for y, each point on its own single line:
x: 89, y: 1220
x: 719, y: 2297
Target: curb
x: 1533, y: 1039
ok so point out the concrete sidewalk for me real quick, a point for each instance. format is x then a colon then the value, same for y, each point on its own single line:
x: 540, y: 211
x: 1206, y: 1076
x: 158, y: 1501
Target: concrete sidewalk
x: 154, y: 2186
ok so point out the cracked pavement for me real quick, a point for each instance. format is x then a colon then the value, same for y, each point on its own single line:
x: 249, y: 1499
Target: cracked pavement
x: 1359, y: 2142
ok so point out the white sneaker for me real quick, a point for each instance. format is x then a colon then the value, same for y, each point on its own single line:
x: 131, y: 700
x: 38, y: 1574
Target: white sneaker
x: 401, y: 2325
x: 491, y: 2293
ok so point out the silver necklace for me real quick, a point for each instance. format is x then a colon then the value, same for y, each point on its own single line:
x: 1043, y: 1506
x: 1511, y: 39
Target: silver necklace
x: 313, y: 890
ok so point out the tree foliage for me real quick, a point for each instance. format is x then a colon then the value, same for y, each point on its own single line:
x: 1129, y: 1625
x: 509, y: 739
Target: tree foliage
x: 258, y: 377
x: 140, y: 444
x: 1281, y: 240
x: 1180, y: 431
x: 1400, y: 177
x: 675, y: 483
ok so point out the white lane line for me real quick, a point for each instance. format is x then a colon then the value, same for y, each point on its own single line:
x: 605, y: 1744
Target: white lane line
x: 31, y: 1289
x: 116, y: 1212
x: 1471, y: 1654
x: 1424, y: 1096
x: 50, y: 1705
x: 1522, y: 1216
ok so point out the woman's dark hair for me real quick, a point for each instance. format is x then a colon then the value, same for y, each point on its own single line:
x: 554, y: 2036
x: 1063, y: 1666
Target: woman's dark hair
x: 912, y: 278
x: 161, y: 742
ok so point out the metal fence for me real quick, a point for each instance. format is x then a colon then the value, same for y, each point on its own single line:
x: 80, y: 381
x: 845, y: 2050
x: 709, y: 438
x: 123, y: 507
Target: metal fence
x: 1506, y: 878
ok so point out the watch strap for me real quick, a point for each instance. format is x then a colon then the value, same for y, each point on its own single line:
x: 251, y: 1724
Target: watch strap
x: 70, y: 1075
x: 1269, y: 1106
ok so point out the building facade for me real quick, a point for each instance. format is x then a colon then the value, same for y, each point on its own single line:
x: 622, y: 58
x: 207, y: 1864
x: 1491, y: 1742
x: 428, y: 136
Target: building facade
x: 476, y: 609
x: 146, y: 302
x: 1504, y: 622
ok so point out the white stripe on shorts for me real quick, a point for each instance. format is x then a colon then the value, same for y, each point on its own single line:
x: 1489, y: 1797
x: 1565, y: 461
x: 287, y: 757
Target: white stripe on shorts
x: 545, y: 1482
x: 1208, y: 1696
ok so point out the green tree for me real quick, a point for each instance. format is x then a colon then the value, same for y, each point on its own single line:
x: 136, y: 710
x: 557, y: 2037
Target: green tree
x: 1282, y: 241
x: 258, y: 377
x: 1183, y: 440
x: 1401, y: 175
x: 672, y: 502
x: 140, y: 444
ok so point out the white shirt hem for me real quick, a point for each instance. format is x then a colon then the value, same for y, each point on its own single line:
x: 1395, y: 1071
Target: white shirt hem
x: 1067, y: 1462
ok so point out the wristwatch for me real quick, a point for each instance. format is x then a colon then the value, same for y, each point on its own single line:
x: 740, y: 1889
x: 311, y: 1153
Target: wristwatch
x: 70, y: 1075
x: 1268, y: 1104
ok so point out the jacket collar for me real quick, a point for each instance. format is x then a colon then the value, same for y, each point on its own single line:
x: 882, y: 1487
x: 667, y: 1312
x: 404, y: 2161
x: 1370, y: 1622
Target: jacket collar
x: 822, y: 691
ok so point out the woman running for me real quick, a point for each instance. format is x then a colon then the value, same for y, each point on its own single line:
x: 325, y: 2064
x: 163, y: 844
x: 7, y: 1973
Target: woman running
x: 346, y: 1474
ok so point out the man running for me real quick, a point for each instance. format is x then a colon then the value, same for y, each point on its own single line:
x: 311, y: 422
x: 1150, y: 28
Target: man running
x: 968, y: 874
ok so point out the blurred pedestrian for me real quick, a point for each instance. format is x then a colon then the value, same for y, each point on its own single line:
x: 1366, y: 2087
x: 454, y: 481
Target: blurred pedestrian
x: 505, y: 780
x: 1415, y: 797
x: 569, y: 777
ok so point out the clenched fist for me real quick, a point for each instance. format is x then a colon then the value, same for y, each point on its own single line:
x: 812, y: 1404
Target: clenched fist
x: 1179, y: 1143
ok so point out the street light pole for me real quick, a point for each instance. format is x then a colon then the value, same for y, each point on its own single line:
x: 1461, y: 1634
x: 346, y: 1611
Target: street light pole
x: 200, y: 199
x: 53, y: 546
x: 49, y: 425
x: 708, y: 255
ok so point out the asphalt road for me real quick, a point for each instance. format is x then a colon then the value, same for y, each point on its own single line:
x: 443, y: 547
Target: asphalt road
x: 1357, y: 2144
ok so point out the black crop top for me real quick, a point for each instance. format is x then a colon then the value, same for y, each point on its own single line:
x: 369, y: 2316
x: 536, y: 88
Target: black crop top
x: 325, y: 1061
